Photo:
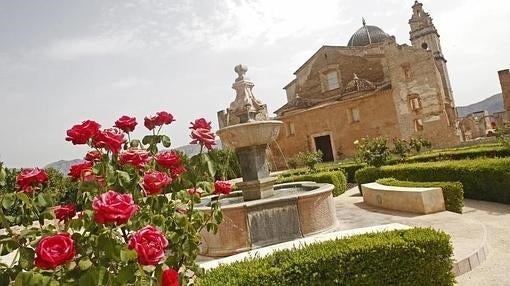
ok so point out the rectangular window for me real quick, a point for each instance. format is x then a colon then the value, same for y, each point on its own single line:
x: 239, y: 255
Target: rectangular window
x: 332, y: 80
x: 354, y: 114
x: 418, y: 125
x: 290, y: 129
x: 415, y: 103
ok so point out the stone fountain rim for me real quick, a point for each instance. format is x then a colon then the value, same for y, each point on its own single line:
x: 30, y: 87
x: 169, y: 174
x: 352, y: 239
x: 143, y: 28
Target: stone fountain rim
x: 323, y: 188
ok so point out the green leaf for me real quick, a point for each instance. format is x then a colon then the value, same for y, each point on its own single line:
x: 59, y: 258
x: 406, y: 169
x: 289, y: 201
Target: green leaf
x: 124, y: 179
x: 128, y: 255
x: 165, y: 140
x: 8, y: 200
x: 135, y: 143
x: 126, y: 274
x: 84, y: 264
x: 26, y: 257
x: 42, y: 200
x: 24, y: 198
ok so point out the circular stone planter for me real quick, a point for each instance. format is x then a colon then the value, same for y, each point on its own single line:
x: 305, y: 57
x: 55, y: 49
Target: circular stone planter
x: 296, y: 210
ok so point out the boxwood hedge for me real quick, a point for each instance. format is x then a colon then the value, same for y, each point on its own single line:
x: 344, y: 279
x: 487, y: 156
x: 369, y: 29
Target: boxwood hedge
x: 453, y: 192
x: 483, y: 179
x: 402, y: 257
x: 336, y: 178
x: 471, y: 152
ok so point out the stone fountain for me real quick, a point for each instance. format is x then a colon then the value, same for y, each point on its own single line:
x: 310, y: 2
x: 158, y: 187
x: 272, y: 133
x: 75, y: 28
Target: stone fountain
x: 262, y: 213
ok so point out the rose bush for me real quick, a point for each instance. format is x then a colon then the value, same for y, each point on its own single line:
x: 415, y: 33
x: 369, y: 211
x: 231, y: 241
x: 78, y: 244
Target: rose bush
x: 132, y: 220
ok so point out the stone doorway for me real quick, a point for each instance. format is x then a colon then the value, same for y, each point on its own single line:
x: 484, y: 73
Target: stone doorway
x: 323, y: 143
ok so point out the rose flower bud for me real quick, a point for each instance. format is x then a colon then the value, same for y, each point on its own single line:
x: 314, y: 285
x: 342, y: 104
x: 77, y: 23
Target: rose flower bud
x: 150, y: 122
x: 112, y: 207
x: 134, y: 156
x: 154, y: 182
x: 150, y: 244
x: 65, y: 212
x: 126, y: 123
x: 222, y: 187
x: 111, y: 139
x: 52, y: 251
x: 170, y: 277
x: 76, y: 171
x: 28, y: 177
x: 163, y: 117
x: 81, y: 133
x: 93, y: 156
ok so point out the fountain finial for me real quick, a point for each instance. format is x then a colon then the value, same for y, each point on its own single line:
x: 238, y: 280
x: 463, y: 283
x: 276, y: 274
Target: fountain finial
x: 241, y: 70
x: 245, y: 105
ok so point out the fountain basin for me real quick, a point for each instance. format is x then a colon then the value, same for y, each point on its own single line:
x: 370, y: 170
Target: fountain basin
x: 250, y: 133
x: 295, y: 210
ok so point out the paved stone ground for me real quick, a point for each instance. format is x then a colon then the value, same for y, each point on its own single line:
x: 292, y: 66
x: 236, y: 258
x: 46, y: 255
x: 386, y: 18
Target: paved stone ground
x: 496, y: 269
x: 464, y: 230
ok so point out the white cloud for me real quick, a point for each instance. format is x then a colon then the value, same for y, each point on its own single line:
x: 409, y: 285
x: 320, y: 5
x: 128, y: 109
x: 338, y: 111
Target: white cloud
x: 237, y: 24
x: 103, y: 45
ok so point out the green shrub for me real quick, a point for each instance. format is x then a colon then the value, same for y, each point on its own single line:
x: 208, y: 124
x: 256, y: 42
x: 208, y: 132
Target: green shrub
x: 453, y: 192
x: 483, y: 179
x: 471, y: 152
x: 402, y: 257
x: 336, y: 178
x: 374, y: 152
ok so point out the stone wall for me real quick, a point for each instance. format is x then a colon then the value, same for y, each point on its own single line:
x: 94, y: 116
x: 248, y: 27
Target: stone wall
x: 377, y: 117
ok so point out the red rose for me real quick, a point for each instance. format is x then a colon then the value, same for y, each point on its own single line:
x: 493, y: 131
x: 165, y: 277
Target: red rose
x: 222, y: 187
x: 154, y: 182
x: 168, y: 159
x: 28, y: 177
x: 176, y: 171
x: 126, y: 123
x: 93, y: 156
x: 52, y: 251
x: 201, y: 123
x: 134, y: 156
x: 203, y: 137
x: 76, y: 170
x: 111, y: 139
x: 150, y: 122
x: 170, y: 277
x: 149, y: 244
x: 163, y: 117
x: 65, y: 212
x: 81, y: 133
x: 112, y: 207
x: 90, y: 177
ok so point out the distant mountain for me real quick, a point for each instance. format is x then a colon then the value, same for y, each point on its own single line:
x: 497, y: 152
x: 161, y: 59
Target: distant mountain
x: 492, y: 104
x: 64, y: 165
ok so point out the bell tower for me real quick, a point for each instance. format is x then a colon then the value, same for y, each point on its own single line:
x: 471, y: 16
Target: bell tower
x: 424, y: 35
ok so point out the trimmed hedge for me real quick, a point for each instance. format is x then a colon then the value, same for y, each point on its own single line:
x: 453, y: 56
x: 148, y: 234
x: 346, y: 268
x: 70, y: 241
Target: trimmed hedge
x: 483, y: 179
x: 453, y: 192
x: 336, y: 178
x: 403, y: 257
x: 471, y: 152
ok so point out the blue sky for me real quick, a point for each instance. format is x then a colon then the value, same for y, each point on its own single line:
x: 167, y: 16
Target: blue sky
x: 63, y: 62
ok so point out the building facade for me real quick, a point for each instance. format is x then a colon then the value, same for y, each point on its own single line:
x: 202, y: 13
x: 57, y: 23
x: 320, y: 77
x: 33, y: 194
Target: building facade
x: 371, y: 87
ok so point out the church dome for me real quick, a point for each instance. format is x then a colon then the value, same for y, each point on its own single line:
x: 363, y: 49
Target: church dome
x: 367, y: 35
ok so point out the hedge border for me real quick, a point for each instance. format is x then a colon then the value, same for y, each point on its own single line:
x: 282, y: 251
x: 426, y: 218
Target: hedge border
x: 453, y: 192
x: 402, y: 257
x: 482, y: 179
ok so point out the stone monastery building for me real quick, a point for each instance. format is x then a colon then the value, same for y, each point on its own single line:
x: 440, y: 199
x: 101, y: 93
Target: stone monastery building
x: 371, y: 87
